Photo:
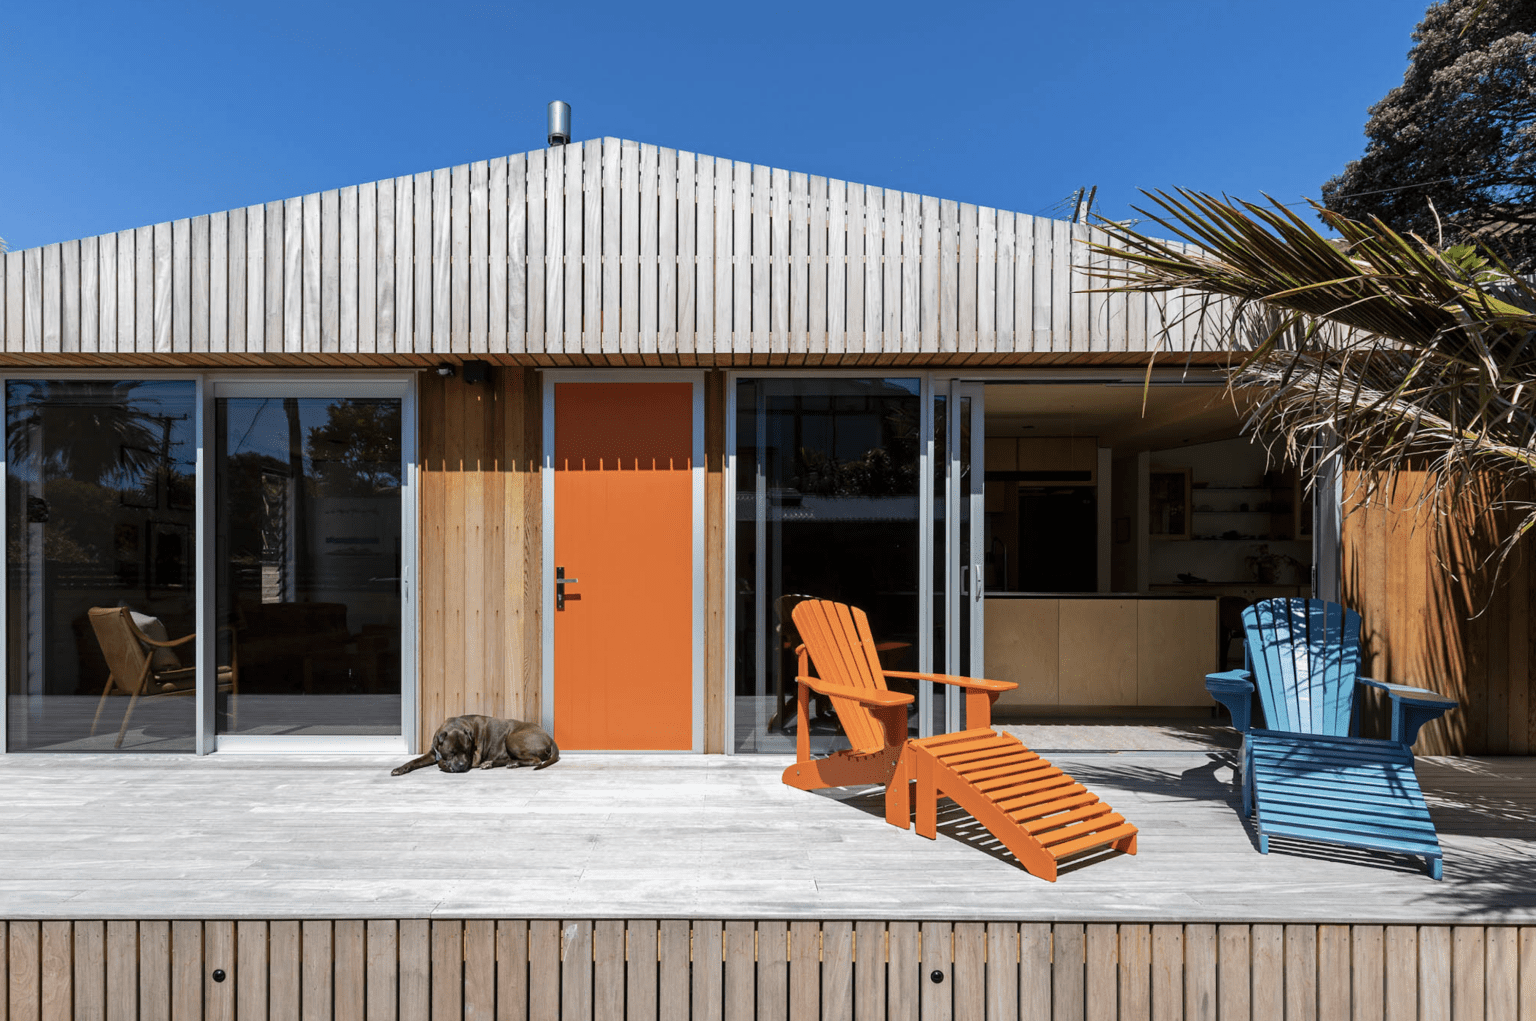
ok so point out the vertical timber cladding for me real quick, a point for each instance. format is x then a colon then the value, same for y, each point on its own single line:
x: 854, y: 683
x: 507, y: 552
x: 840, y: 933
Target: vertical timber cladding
x: 479, y: 547
x: 1432, y: 616
x: 583, y: 970
x: 480, y: 520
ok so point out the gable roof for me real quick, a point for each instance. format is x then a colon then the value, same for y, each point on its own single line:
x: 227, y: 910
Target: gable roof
x: 605, y: 251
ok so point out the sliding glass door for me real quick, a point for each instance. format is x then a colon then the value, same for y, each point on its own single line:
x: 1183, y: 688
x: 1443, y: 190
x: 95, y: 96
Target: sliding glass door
x: 193, y: 562
x: 311, y: 562
x: 100, y: 595
x: 861, y: 490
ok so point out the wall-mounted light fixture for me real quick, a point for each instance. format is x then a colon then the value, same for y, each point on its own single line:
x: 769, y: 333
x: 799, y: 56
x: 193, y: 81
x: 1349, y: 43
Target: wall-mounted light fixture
x: 445, y: 370
x: 476, y: 371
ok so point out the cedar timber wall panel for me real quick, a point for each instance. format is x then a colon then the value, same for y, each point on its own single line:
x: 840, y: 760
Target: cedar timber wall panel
x: 481, y: 515
x: 479, y: 528
x: 1431, y: 616
x: 607, y: 969
x: 604, y: 252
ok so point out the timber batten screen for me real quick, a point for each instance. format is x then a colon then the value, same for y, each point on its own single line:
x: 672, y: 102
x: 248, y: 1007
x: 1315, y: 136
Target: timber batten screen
x: 606, y: 251
x: 579, y: 969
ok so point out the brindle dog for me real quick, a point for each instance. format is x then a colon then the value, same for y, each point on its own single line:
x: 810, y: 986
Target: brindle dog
x: 463, y: 743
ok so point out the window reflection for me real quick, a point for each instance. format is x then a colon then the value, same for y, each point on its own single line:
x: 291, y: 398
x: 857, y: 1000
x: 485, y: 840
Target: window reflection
x: 101, y: 601
x: 826, y: 506
x: 309, y: 564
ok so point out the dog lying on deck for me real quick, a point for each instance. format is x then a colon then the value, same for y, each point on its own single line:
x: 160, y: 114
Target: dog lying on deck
x: 463, y: 743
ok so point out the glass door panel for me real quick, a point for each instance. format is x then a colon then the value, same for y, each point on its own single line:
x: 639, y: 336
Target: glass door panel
x: 309, y: 564
x: 100, y: 490
x: 826, y: 505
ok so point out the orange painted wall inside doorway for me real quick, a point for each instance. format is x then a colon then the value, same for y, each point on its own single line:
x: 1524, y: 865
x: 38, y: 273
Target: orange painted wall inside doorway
x: 623, y: 520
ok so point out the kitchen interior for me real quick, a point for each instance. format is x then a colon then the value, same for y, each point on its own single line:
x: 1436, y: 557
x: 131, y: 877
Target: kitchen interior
x: 1126, y: 527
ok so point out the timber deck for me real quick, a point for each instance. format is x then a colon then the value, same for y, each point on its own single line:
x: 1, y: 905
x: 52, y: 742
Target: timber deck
x: 663, y: 836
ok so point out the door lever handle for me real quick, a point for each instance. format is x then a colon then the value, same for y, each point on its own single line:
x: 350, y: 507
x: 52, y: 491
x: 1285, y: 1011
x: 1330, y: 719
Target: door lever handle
x: 561, y: 581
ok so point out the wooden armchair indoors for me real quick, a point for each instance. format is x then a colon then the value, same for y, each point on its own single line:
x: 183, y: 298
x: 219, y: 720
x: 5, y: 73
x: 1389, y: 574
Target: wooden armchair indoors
x: 1034, y: 809
x: 1308, y: 773
x: 145, y: 667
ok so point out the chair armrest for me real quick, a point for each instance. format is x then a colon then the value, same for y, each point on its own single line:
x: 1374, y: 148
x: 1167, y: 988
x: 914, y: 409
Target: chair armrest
x: 166, y: 645
x: 975, y: 683
x: 1411, y: 707
x: 1234, y: 689
x: 864, y: 696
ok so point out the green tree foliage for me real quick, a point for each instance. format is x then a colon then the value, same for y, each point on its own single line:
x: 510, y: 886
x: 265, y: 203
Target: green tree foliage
x: 1460, y: 132
x: 357, y: 451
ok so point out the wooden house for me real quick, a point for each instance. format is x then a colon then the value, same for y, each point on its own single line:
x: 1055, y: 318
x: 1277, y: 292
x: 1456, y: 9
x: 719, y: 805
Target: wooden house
x: 560, y: 435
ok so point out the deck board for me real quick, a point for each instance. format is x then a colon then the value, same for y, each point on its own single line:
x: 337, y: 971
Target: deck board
x: 663, y: 836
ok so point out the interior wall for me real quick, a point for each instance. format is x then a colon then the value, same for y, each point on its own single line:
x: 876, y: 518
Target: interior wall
x: 1432, y: 616
x: 480, y: 541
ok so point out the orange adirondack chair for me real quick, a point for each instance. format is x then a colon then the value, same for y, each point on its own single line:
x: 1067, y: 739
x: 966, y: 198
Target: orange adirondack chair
x: 1034, y: 809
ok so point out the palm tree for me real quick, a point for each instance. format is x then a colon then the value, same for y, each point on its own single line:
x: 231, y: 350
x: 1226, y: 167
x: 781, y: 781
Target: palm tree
x: 92, y: 431
x: 1400, y: 353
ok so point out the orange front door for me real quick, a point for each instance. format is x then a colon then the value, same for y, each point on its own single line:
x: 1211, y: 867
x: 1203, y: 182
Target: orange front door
x: 623, y: 522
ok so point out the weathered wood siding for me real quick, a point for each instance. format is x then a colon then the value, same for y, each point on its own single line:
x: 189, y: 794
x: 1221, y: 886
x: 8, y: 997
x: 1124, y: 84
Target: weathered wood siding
x: 479, y: 540
x: 480, y: 524
x: 1432, y: 616
x: 584, y: 970
x: 602, y: 252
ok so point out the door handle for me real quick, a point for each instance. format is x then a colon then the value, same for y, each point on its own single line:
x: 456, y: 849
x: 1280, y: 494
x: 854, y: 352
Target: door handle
x: 561, y: 581
x: 979, y: 587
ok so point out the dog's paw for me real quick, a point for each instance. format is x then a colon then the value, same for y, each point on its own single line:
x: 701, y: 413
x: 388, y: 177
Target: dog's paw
x: 487, y: 765
x: 398, y: 771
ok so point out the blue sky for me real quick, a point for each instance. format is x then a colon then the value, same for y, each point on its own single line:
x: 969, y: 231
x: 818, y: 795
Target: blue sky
x: 120, y: 114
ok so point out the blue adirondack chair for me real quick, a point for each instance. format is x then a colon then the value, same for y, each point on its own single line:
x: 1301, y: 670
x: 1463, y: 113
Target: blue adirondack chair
x: 1307, y: 771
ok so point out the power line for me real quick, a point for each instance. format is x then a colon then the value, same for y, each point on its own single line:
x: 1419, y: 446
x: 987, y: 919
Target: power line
x: 1381, y: 191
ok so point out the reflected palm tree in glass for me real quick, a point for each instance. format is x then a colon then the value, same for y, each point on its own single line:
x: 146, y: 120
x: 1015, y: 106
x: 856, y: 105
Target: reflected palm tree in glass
x: 100, y: 494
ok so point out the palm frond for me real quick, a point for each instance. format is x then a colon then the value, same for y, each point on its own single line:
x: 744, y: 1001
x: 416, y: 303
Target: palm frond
x: 1398, y: 355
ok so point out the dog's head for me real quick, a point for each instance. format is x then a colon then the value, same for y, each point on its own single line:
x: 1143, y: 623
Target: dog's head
x: 454, y: 746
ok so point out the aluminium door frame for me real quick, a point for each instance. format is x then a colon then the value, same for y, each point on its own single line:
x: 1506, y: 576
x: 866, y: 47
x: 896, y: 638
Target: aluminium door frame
x: 550, y: 378
x: 205, y: 382
x: 964, y: 575
x: 401, y: 385
x: 925, y: 581
x: 109, y: 374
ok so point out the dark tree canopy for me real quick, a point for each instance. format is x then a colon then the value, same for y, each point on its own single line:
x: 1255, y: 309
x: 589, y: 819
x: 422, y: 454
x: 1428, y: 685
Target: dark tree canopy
x: 1461, y: 129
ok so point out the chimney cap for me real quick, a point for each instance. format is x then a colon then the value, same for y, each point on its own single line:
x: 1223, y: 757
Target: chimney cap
x: 559, y: 123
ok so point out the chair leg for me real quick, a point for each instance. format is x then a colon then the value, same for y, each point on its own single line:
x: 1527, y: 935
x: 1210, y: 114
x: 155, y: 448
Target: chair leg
x: 101, y: 704
x: 1247, y: 781
x: 898, y: 793
x: 1436, y: 868
x: 132, y: 701
x: 927, y: 798
x: 1263, y: 844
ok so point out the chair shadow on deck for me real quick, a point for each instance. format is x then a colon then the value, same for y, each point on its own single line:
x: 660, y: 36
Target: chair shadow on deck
x: 1497, y: 874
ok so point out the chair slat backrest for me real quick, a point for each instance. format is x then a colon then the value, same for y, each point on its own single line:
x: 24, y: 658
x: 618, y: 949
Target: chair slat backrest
x: 838, y: 638
x: 1304, y: 655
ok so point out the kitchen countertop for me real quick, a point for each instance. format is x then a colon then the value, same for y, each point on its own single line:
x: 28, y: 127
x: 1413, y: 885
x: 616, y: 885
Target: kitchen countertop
x: 1097, y: 595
